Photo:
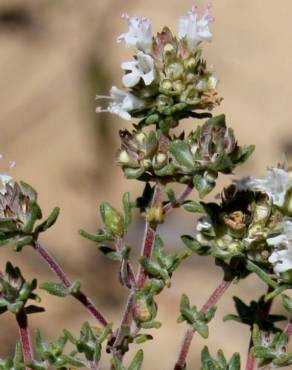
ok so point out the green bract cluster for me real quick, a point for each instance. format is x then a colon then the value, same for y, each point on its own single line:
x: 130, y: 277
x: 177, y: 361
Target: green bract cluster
x: 15, y: 291
x: 19, y: 212
x: 198, y: 158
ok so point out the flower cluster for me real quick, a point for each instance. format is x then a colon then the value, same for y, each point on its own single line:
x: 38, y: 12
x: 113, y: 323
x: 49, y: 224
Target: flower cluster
x: 251, y: 223
x: 198, y: 158
x: 167, y: 74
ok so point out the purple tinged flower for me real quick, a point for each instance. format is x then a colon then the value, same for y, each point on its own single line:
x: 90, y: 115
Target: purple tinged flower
x: 139, y: 33
x: 194, y: 28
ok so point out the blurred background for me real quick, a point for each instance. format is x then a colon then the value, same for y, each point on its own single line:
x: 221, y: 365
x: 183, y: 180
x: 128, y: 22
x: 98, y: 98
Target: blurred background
x: 55, y: 56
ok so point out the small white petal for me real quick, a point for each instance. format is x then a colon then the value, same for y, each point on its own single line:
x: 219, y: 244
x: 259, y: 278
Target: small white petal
x: 131, y: 79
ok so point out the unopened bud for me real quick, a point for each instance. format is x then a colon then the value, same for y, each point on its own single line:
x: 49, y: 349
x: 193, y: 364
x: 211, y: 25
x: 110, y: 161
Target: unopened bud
x: 140, y: 137
x: 124, y: 157
x: 161, y: 158
x: 178, y: 86
x: 190, y: 63
x: 168, y: 48
x: 156, y: 214
x: 166, y: 85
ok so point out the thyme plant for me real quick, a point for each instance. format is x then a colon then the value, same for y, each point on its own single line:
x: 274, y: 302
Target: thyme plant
x: 247, y: 230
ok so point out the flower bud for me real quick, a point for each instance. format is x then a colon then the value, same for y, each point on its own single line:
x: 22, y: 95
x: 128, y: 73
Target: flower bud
x: 156, y: 214
x: 168, y: 48
x: 112, y: 219
x: 124, y: 157
x: 174, y: 71
x: 142, y: 311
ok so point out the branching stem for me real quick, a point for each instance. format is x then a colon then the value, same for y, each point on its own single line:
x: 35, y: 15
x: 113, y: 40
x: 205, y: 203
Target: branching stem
x: 212, y: 300
x: 80, y: 296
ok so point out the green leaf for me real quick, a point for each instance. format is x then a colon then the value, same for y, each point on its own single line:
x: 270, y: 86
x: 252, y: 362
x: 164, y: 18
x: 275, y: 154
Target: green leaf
x: 262, y: 352
x: 100, y: 236
x: 244, y: 153
x: 195, y: 246
x: 171, y: 195
x: 137, y: 362
x: 194, y: 207
x: 203, y: 186
x: 116, y: 364
x: 110, y: 253
x: 234, y: 363
x: 56, y: 289
x: 287, y: 303
x: 154, y: 269
x: 33, y: 309
x: 252, y: 267
x: 141, y: 338
x: 33, y: 215
x: 50, y: 221
x: 133, y: 173
x: 28, y: 190
x: 112, y: 219
x: 181, y: 153
x: 22, y: 242
x: 127, y: 210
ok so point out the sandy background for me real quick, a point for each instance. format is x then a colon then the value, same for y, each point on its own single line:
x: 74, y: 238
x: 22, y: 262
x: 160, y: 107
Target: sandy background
x: 55, y: 56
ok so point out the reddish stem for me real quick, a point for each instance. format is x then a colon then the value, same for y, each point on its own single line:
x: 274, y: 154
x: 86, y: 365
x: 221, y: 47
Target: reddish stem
x: 288, y: 329
x: 119, y: 247
x: 181, y: 198
x: 148, y: 241
x: 80, y: 296
x: 250, y: 362
x: 24, y: 336
x: 212, y: 300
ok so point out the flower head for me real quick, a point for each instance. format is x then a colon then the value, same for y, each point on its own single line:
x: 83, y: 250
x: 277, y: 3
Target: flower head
x: 282, y: 258
x: 142, y: 68
x: 122, y: 103
x: 139, y: 33
x: 195, y: 29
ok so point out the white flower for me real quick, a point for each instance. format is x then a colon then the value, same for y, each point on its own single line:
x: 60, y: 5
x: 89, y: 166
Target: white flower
x: 209, y: 84
x: 122, y: 103
x: 139, y: 34
x: 195, y: 29
x: 204, y: 224
x: 142, y: 68
x: 4, y: 180
x: 282, y: 258
x: 276, y: 184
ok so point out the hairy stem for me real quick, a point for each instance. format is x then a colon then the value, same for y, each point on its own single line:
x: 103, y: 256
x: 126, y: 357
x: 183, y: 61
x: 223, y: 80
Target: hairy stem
x: 147, y: 246
x: 125, y: 323
x: 212, y: 300
x: 148, y: 241
x: 130, y: 272
x: 80, y: 296
x: 181, y: 198
x: 288, y: 329
x: 22, y: 321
